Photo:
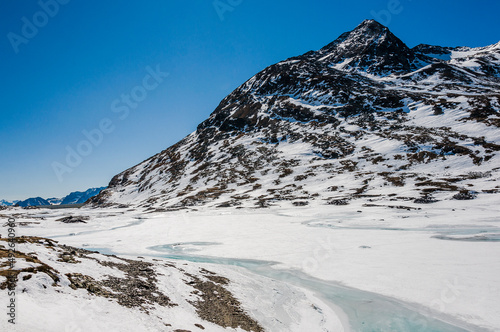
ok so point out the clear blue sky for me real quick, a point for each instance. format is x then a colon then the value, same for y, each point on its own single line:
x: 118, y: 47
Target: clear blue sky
x: 70, y: 75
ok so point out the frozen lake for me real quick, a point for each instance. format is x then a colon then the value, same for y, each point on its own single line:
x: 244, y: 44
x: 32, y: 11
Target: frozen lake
x: 386, y: 270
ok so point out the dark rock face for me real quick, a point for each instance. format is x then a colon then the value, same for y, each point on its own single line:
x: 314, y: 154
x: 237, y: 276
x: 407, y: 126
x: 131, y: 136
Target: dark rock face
x: 465, y: 195
x: 439, y: 52
x: 365, y: 105
x: 73, y: 219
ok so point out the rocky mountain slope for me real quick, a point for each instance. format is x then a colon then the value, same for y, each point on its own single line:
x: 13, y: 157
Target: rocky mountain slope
x: 364, y: 117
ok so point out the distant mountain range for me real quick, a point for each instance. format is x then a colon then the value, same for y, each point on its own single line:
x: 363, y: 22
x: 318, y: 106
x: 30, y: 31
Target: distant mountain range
x: 79, y: 197
x: 7, y: 203
x: 76, y: 197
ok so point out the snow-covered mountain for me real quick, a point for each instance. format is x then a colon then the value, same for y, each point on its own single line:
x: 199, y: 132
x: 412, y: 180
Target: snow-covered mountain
x: 364, y: 117
x: 7, y: 203
x: 79, y: 197
x: 54, y: 200
x: 34, y: 201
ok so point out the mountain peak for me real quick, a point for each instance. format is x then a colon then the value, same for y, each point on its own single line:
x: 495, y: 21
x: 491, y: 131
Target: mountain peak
x: 367, y: 30
x: 370, y: 47
x: 371, y: 25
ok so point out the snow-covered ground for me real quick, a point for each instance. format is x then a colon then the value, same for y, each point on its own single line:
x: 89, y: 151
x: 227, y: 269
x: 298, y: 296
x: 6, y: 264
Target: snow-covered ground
x: 440, y: 261
x: 45, y: 304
